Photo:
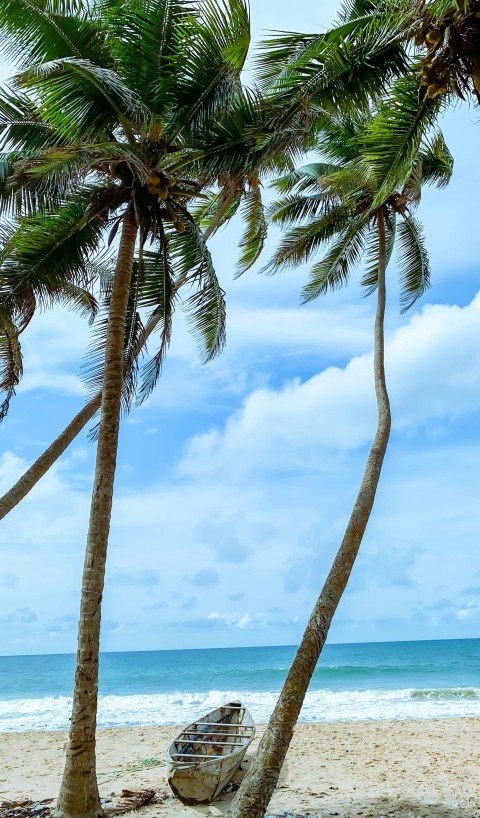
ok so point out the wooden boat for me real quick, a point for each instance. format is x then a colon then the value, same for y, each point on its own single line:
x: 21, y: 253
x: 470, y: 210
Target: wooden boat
x: 204, y: 757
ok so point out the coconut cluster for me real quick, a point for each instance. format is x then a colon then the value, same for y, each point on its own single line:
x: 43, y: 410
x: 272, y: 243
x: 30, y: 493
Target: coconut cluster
x: 450, y: 41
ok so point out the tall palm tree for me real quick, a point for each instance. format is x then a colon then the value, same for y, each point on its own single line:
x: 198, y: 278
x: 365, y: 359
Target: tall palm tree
x: 331, y: 203
x: 116, y: 89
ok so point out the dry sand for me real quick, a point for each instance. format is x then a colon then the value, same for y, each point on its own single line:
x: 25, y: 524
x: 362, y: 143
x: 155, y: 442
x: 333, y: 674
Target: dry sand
x: 410, y: 769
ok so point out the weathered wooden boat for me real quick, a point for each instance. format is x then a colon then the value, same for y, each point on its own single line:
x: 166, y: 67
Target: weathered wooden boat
x: 204, y: 757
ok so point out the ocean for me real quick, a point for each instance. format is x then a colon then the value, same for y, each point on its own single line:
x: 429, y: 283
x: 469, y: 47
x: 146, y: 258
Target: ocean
x: 389, y: 680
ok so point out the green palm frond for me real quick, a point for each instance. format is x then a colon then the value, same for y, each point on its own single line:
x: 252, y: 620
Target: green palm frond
x: 47, y: 259
x: 393, y: 138
x: 205, y: 307
x: 245, y: 141
x: 296, y: 207
x: 93, y: 368
x: 344, y: 254
x: 207, y: 212
x: 22, y: 126
x: 285, y: 53
x: 299, y: 244
x: 159, y: 296
x: 81, y: 99
x: 353, y: 9
x: 341, y: 70
x: 213, y: 43
x: 35, y: 31
x: 306, y: 178
x: 413, y: 261
x: 340, y: 137
x: 255, y: 232
x: 436, y: 161
x: 53, y: 172
x: 21, y: 200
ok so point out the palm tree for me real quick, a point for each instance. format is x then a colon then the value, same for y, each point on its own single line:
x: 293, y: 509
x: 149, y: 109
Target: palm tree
x: 418, y: 57
x: 115, y: 91
x: 331, y: 203
x: 257, y: 136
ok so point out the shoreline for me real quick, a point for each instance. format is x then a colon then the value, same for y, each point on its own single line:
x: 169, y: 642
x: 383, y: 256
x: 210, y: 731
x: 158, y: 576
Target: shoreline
x: 424, y: 768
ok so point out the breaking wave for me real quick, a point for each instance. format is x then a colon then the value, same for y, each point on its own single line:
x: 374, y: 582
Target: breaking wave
x: 52, y: 712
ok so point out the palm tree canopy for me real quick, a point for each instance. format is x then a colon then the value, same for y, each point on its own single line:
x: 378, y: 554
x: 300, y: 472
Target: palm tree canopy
x: 334, y: 204
x: 412, y: 60
x: 111, y: 101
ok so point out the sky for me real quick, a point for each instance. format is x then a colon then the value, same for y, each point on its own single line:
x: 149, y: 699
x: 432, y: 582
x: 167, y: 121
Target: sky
x: 235, y: 481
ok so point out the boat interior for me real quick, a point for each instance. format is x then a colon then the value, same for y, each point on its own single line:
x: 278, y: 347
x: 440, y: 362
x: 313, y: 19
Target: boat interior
x: 207, y: 740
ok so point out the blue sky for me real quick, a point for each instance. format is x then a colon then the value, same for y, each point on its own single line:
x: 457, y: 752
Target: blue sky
x: 235, y: 481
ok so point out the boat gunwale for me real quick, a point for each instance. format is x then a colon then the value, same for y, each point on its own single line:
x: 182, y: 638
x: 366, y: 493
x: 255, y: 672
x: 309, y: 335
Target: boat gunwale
x: 208, y: 760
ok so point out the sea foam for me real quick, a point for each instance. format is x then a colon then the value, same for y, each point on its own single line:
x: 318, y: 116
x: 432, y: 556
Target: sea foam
x: 53, y: 712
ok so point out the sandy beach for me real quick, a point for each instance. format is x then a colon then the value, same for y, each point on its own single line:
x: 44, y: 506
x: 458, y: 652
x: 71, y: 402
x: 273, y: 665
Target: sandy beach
x: 409, y: 769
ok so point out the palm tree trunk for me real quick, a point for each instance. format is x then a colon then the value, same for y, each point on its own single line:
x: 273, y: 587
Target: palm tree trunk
x: 79, y: 797
x: 253, y: 797
x: 36, y: 471
x: 40, y: 467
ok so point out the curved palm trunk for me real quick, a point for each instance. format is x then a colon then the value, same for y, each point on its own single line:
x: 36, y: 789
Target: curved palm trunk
x: 79, y: 797
x: 40, y: 467
x: 253, y: 797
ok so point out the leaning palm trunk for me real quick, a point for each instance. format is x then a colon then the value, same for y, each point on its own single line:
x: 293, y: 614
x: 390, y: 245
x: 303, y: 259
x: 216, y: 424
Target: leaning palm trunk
x: 253, y: 797
x: 79, y: 797
x: 35, y: 472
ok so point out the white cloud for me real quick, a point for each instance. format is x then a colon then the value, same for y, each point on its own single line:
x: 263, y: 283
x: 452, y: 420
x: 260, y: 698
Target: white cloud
x: 430, y: 375
x: 259, y: 504
x: 54, y: 346
x: 471, y: 609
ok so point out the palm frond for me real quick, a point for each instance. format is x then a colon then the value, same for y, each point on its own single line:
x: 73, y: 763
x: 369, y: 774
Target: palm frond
x: 24, y: 200
x: 22, y: 126
x: 436, y: 161
x: 53, y: 172
x: 205, y: 308
x: 413, y: 262
x: 245, y: 141
x: 299, y: 244
x: 393, y: 138
x: 216, y: 210
x: 295, y: 208
x: 83, y: 100
x: 213, y: 43
x: 142, y: 38
x: 305, y: 178
x: 47, y: 259
x: 34, y: 31
x: 335, y: 269
x: 256, y: 228
x: 353, y: 9
x: 93, y: 368
x: 159, y: 296
x: 343, y: 69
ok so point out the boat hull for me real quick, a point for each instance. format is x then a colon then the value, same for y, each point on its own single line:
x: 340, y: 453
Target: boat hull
x: 201, y: 780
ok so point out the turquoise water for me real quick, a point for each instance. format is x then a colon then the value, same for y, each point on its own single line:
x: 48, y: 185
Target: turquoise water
x: 362, y: 681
